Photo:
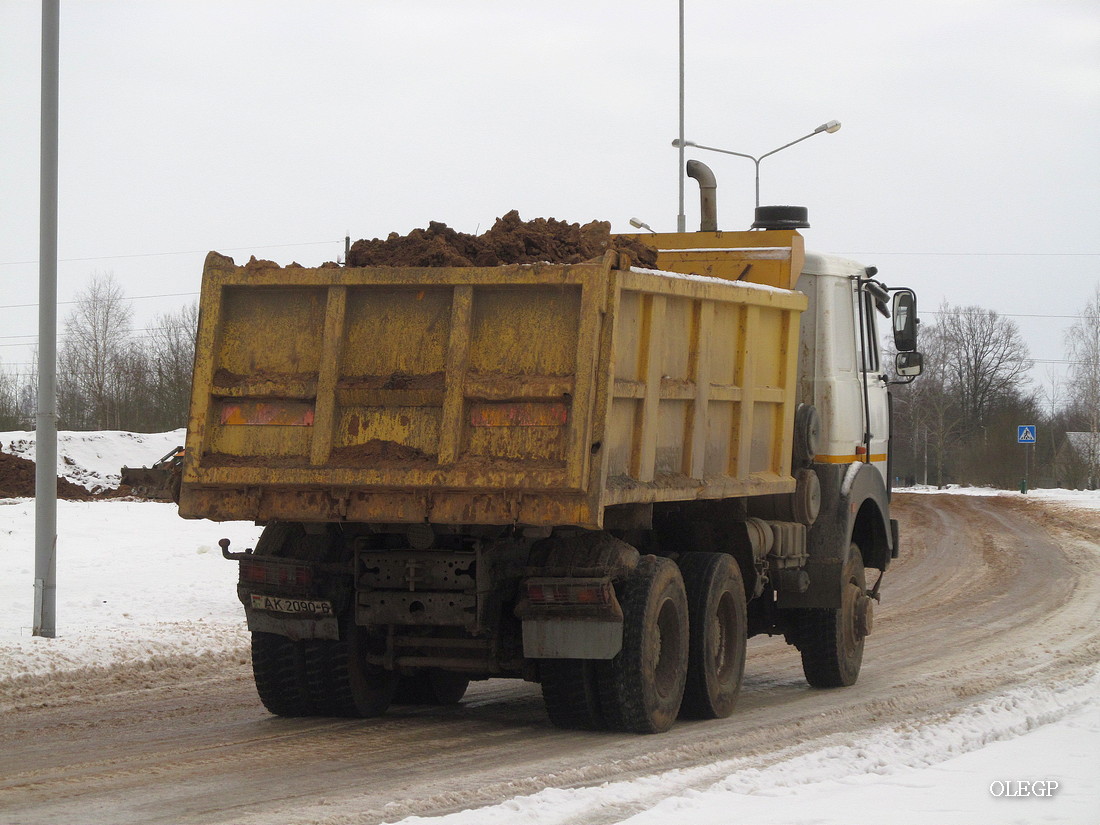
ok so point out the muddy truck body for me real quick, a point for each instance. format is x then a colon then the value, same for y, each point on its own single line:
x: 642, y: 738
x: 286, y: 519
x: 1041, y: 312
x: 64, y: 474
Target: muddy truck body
x: 593, y: 476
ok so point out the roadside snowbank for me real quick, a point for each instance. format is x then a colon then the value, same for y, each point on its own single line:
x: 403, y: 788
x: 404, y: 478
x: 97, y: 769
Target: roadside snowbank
x: 94, y: 459
x: 134, y: 582
x: 1086, y: 499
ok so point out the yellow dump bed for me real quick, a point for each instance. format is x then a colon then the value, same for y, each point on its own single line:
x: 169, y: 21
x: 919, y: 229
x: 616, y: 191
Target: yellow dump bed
x: 526, y: 394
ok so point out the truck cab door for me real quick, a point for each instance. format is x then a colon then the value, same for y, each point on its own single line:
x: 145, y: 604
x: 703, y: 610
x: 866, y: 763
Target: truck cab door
x: 875, y: 385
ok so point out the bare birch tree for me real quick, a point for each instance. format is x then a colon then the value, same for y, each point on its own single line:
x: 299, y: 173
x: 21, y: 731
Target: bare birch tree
x: 97, y: 335
x: 1083, y: 348
x: 171, y: 356
x: 10, y: 416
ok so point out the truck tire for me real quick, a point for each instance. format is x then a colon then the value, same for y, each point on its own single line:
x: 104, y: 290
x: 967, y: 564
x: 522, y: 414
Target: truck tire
x: 431, y: 687
x: 718, y: 634
x: 640, y: 690
x: 278, y: 675
x: 571, y: 693
x: 350, y: 685
x: 317, y: 677
x: 828, y: 638
x: 320, y: 677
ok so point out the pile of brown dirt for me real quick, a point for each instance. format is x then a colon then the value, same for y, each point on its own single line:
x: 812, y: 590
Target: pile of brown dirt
x: 17, y: 481
x: 510, y: 241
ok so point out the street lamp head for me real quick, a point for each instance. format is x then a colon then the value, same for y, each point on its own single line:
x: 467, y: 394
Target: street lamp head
x: 686, y: 143
x: 830, y: 127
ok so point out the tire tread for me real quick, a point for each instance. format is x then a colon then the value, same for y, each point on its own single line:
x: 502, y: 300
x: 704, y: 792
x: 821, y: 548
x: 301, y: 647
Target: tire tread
x: 699, y: 571
x: 571, y: 695
x: 622, y: 681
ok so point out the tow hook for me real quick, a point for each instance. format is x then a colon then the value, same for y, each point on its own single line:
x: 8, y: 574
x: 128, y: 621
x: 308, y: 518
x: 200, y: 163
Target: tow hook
x: 224, y: 544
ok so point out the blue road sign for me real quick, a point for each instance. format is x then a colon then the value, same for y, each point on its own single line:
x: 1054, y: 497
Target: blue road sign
x: 1025, y: 434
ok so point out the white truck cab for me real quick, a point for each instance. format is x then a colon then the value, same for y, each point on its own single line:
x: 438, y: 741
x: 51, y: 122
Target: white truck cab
x: 840, y: 365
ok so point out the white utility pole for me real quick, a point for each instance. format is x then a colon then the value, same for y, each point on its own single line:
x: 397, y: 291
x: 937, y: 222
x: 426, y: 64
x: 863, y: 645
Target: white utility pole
x: 45, y: 479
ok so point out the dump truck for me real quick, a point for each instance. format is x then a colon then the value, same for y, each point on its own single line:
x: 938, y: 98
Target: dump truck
x: 594, y: 476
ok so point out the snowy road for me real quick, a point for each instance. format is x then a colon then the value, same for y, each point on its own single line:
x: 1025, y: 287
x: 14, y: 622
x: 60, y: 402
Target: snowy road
x: 988, y: 625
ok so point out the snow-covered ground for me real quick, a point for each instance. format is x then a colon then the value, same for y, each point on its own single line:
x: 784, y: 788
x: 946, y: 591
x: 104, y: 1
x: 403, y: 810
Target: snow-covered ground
x: 944, y: 772
x: 135, y: 582
x: 1083, y: 499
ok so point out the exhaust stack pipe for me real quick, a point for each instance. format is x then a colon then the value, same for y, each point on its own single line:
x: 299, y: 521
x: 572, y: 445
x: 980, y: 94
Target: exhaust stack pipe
x: 708, y: 202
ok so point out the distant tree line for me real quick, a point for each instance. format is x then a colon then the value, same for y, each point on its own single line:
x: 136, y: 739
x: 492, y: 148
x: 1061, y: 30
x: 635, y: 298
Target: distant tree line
x: 955, y: 424
x: 110, y: 376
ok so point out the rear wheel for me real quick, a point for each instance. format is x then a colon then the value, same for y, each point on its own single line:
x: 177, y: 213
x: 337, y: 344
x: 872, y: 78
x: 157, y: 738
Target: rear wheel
x: 351, y: 685
x: 277, y: 671
x: 831, y: 639
x: 718, y: 634
x: 571, y: 694
x: 320, y: 677
x: 317, y: 677
x: 640, y: 690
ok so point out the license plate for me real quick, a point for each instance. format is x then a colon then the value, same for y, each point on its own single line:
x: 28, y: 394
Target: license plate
x: 314, y: 607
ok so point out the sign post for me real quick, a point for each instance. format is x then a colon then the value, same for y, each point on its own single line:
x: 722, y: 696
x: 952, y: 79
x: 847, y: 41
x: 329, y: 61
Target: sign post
x: 1025, y: 434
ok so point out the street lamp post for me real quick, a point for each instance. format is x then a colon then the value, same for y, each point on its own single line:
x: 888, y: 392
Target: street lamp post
x: 830, y: 127
x: 681, y: 220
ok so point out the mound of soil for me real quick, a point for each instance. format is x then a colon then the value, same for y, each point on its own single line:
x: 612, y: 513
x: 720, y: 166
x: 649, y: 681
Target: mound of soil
x: 17, y: 481
x: 509, y: 241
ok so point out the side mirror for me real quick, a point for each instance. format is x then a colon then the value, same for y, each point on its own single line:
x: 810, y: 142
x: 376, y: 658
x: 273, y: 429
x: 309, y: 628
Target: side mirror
x: 909, y: 364
x: 905, y: 321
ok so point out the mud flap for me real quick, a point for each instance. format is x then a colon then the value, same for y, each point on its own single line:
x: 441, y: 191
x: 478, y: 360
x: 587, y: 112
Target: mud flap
x: 571, y: 639
x: 294, y: 629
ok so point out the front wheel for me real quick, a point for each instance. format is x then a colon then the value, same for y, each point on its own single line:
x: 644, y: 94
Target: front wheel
x: 831, y: 639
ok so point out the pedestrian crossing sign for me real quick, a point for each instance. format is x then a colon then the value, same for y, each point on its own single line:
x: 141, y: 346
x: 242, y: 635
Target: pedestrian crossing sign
x: 1025, y: 434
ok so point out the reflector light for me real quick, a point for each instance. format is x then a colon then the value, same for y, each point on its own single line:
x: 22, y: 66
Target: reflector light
x: 286, y: 413
x: 598, y: 593
x: 253, y: 572
x: 282, y: 575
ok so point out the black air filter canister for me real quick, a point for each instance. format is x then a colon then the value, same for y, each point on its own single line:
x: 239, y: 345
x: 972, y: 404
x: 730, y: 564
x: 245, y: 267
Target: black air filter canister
x: 781, y: 217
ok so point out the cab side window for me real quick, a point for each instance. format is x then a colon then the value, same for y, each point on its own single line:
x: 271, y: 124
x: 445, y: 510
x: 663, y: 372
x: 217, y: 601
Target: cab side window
x: 869, y: 345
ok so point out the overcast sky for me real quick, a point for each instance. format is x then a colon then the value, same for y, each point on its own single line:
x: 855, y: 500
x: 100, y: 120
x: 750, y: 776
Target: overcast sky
x: 966, y: 166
